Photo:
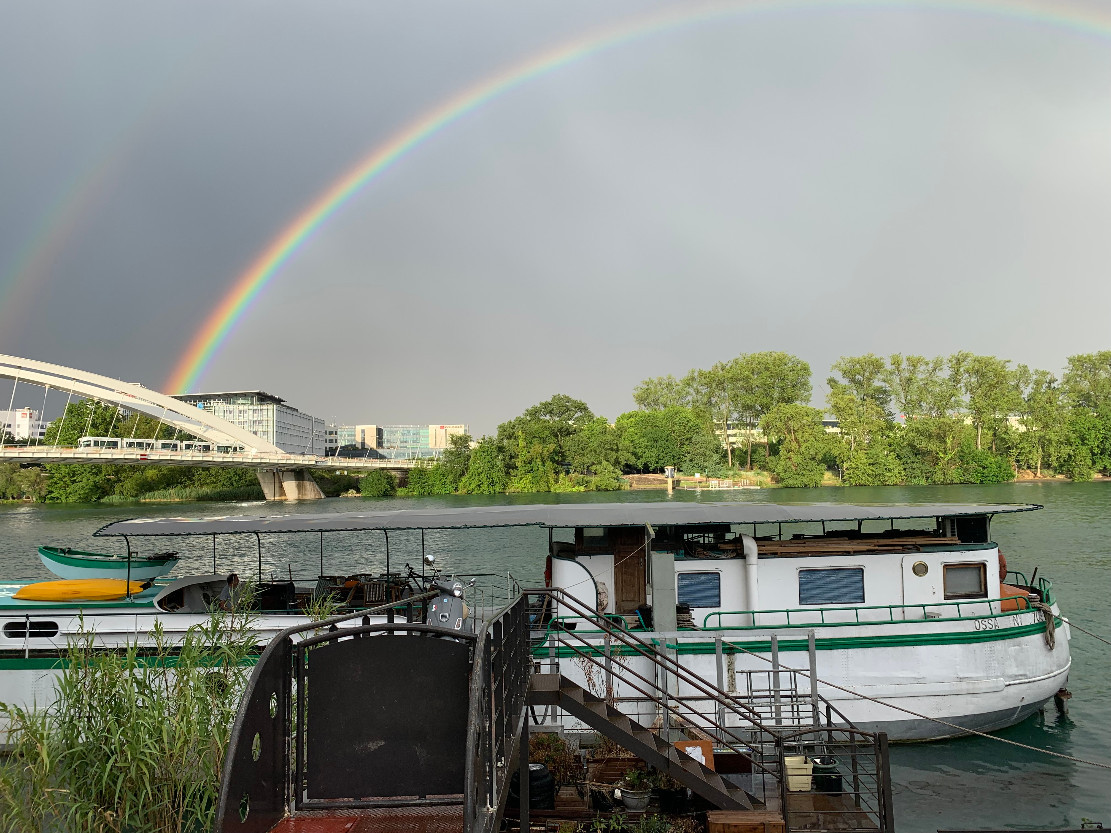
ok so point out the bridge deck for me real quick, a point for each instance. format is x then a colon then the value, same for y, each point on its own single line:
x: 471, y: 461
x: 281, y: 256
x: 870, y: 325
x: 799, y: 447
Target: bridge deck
x: 381, y: 820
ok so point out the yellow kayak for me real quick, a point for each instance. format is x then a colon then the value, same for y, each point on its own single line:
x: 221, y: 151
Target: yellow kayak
x: 78, y: 590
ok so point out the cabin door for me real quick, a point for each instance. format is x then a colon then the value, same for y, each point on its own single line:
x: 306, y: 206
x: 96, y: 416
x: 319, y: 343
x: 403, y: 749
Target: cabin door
x: 630, y: 574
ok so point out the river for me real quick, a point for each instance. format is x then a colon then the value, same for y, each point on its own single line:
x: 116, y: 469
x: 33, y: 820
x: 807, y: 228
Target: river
x: 971, y: 782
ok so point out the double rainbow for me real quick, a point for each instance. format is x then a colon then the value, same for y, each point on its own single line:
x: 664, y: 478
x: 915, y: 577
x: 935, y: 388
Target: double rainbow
x: 222, y: 320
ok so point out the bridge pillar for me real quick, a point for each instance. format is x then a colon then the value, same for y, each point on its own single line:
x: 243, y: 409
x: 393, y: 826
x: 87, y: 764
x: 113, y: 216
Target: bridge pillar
x: 289, y: 485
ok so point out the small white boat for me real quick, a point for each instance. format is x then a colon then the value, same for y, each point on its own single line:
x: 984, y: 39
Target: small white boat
x: 76, y: 564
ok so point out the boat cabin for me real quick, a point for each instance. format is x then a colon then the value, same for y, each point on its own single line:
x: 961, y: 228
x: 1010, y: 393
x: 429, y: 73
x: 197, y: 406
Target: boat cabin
x: 850, y: 569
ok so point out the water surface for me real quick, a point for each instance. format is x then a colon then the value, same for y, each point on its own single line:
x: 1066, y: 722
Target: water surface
x: 971, y: 782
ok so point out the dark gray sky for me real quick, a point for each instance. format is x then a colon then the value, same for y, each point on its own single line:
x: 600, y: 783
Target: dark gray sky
x: 826, y: 180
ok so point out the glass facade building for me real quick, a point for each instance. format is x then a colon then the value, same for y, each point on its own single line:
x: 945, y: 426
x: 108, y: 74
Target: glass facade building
x: 266, y: 416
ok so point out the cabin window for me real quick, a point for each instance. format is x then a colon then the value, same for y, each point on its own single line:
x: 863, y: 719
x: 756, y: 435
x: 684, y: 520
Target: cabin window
x: 698, y: 589
x: 831, y: 586
x: 966, y: 581
x: 35, y: 628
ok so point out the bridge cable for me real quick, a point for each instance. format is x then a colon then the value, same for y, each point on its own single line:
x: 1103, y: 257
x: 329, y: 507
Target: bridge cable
x: 111, y: 427
x: 92, y: 410
x: 62, y: 424
x: 42, y: 418
x: 11, y: 402
x: 962, y: 729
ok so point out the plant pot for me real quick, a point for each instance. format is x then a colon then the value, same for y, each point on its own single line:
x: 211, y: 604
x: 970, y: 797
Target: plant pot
x: 826, y: 777
x: 635, y: 801
x: 799, y: 773
x: 673, y: 802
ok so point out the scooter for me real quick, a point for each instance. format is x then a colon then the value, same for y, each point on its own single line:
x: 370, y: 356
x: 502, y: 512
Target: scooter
x: 447, y: 609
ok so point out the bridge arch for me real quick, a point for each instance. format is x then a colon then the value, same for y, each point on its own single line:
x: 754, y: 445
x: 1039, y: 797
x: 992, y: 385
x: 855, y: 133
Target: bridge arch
x: 133, y: 396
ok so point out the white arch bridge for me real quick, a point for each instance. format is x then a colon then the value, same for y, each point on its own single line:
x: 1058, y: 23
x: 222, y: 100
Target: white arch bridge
x: 282, y: 475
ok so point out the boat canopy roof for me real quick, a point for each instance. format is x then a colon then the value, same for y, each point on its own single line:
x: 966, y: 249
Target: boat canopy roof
x: 555, y: 516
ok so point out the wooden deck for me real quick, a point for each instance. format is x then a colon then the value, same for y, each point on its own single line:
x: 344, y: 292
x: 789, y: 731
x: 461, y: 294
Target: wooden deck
x: 382, y: 820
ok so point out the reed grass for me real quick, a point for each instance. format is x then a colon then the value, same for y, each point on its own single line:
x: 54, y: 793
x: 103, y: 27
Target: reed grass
x: 188, y: 493
x: 136, y: 739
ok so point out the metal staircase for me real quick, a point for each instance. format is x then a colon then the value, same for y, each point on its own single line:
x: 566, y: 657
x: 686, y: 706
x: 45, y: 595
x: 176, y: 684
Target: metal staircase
x: 556, y: 690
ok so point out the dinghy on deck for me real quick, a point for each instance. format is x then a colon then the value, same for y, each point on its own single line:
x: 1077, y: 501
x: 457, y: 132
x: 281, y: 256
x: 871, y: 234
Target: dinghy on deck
x: 80, y: 590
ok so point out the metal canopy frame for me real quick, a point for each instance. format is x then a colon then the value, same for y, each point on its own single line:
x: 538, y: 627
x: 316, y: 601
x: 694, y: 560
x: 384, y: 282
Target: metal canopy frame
x: 557, y: 516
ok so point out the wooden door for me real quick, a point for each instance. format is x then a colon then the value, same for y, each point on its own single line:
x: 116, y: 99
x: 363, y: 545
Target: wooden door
x: 630, y: 575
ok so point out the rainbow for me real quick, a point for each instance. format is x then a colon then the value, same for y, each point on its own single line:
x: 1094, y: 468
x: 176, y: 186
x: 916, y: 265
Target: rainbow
x: 232, y: 307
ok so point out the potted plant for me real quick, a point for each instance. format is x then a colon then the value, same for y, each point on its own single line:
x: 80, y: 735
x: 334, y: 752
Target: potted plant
x: 635, y: 790
x: 671, y: 794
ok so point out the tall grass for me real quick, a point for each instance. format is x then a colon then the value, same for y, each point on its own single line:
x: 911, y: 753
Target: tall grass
x: 187, y: 493
x: 136, y: 738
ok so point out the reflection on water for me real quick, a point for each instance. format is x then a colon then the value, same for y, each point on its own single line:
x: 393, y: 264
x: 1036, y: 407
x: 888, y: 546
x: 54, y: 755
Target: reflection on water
x: 970, y: 782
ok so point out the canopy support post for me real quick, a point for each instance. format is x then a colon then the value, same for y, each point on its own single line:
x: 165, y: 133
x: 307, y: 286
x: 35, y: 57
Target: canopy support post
x: 127, y: 543
x: 258, y: 540
x: 213, y: 553
x: 322, y: 552
x: 389, y: 613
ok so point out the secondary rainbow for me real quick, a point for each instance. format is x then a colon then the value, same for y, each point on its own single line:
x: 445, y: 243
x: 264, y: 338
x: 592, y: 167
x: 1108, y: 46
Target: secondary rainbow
x: 220, y: 322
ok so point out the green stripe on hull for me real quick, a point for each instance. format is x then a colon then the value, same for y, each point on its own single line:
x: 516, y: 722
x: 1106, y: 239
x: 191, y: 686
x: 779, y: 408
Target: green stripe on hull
x: 836, y: 643
x: 100, y: 560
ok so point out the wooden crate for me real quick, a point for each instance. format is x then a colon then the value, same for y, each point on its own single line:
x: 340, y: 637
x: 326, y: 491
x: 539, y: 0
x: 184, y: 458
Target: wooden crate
x: 744, y: 821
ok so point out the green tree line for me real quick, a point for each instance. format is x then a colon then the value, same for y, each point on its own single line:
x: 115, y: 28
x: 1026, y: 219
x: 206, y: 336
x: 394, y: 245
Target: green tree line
x: 900, y: 419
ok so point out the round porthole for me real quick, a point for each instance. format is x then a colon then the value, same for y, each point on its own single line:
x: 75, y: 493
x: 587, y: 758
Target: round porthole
x: 920, y: 568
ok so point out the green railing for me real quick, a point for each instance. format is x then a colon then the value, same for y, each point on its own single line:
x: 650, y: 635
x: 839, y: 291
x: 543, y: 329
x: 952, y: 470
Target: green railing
x: 1045, y: 586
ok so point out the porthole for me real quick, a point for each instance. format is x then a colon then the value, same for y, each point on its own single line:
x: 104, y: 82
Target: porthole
x: 256, y: 747
x: 920, y: 568
x: 244, y: 807
x: 273, y: 705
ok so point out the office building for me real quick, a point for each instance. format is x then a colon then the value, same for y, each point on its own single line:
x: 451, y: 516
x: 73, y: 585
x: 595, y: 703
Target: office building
x: 394, y: 442
x: 23, y: 424
x: 267, y: 416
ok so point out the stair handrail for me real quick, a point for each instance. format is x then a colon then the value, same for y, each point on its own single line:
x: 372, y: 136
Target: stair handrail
x: 649, y: 651
x: 481, y: 726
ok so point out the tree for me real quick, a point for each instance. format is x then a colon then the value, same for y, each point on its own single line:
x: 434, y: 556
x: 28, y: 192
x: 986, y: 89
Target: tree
x: 803, y: 444
x: 712, y: 395
x: 660, y: 392
x: 597, y: 444
x: 377, y: 483
x: 553, y: 422
x: 990, y: 387
x: 487, y: 471
x: 1042, y: 415
x: 758, y: 382
x: 1087, y: 381
x: 456, y: 459
x: 860, y: 399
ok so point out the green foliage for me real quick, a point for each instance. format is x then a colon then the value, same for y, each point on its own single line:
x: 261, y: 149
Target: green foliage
x: 606, y: 478
x: 77, y: 484
x: 377, y: 483
x: 136, y: 739
x: 550, y: 423
x: 487, y: 470
x: 982, y: 466
x: 596, y: 444
x: 651, y: 440
x: 802, y: 444
x: 433, y: 480
x: 456, y: 459
x: 22, y: 484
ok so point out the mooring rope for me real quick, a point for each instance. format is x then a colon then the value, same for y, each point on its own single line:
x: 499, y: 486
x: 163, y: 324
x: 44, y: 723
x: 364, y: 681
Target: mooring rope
x: 1073, y: 624
x: 962, y: 729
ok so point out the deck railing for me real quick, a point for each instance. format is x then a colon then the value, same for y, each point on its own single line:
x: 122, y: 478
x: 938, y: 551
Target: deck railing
x: 737, y: 720
x: 965, y: 609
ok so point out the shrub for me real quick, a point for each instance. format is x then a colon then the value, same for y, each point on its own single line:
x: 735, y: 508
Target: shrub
x: 379, y: 483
